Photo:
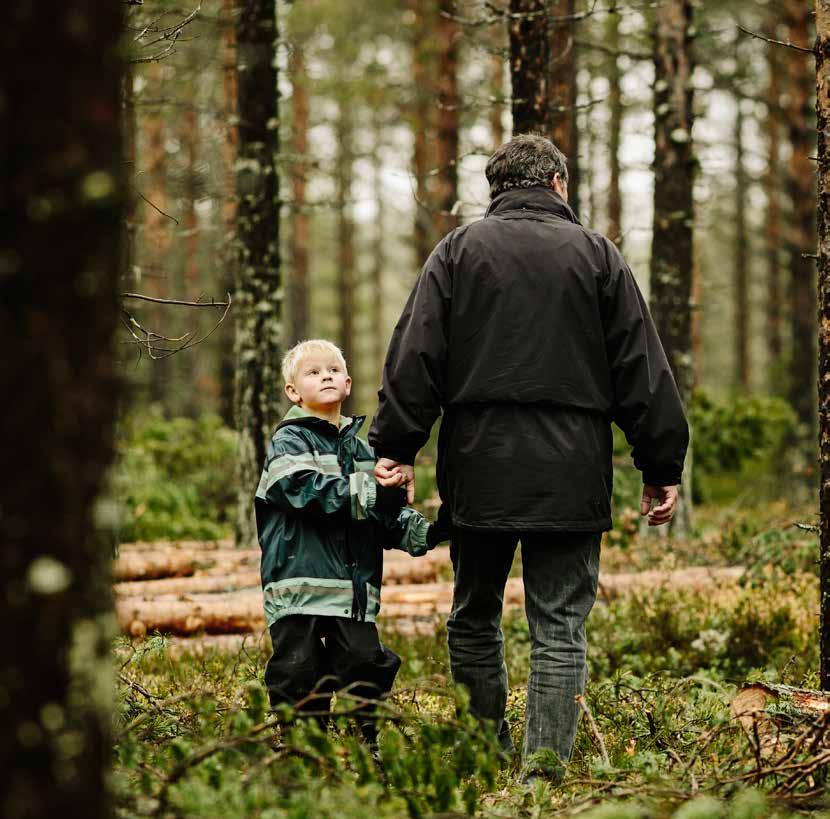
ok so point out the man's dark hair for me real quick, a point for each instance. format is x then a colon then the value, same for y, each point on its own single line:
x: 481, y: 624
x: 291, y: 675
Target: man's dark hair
x: 523, y: 162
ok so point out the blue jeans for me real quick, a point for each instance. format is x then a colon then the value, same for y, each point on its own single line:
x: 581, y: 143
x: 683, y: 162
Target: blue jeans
x: 560, y: 572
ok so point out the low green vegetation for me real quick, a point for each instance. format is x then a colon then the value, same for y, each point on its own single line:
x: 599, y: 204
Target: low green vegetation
x: 194, y: 736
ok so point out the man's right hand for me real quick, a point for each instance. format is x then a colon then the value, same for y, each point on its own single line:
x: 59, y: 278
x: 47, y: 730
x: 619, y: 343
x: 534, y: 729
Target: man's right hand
x: 392, y: 473
x: 666, y: 497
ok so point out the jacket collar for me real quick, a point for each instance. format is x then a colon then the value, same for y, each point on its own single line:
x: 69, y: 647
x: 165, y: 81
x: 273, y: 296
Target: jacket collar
x: 299, y: 416
x: 537, y: 198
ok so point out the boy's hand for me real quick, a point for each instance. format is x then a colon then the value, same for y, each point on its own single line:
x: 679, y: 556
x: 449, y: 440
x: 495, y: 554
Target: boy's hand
x: 666, y: 497
x: 391, y: 473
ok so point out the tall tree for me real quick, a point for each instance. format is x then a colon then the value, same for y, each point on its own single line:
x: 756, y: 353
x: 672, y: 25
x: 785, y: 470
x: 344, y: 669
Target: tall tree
x: 378, y: 243
x: 562, y: 90
x: 529, y: 65
x: 422, y: 126
x: 772, y: 192
x: 674, y: 165
x: 741, y: 283
x: 258, y: 301
x: 615, y: 110
x: 448, y: 119
x: 230, y: 146
x: 346, y: 274
x: 155, y: 262
x: 801, y: 235
x: 61, y: 200
x: 299, y: 179
x: 823, y: 151
x: 497, y: 94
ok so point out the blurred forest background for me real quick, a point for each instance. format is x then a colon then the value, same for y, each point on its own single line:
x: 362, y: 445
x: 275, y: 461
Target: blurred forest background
x: 386, y: 116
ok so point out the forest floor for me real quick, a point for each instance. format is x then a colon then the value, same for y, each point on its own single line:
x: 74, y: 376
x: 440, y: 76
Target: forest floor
x: 666, y: 660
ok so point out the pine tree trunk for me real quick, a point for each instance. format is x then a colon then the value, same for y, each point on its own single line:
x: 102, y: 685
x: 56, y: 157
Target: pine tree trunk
x: 346, y: 281
x: 155, y: 263
x: 772, y: 191
x: 823, y: 151
x: 671, y: 248
x: 448, y: 119
x: 130, y: 159
x: 258, y: 305
x: 529, y: 65
x: 190, y: 143
x: 562, y: 92
x: 497, y: 93
x: 299, y: 210
x: 61, y: 230
x: 741, y: 253
x: 424, y: 227
x: 230, y: 147
x: 612, y: 37
x: 379, y: 249
x: 801, y: 234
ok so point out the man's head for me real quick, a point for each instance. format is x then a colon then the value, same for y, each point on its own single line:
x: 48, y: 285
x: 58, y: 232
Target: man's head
x: 525, y: 161
x: 316, y: 377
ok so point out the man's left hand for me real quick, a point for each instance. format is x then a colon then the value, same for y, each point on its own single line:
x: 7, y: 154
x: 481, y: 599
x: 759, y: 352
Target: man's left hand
x: 392, y: 473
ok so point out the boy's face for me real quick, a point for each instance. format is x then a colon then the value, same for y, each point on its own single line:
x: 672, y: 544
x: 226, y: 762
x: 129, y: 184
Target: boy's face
x: 321, y: 383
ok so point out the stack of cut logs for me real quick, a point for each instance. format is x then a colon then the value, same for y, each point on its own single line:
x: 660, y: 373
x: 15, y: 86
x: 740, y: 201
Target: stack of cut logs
x: 189, y: 587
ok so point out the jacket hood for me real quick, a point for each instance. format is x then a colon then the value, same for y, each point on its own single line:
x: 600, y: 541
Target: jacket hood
x: 536, y: 198
x: 302, y: 417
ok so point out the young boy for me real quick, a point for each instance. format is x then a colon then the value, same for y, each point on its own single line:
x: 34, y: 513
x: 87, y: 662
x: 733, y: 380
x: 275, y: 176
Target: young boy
x: 322, y: 522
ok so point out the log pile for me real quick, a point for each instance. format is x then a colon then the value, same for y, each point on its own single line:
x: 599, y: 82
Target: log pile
x: 193, y: 588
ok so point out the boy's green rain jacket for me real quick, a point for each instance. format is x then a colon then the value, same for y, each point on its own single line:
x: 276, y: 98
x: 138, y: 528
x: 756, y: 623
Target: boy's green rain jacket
x: 321, y: 536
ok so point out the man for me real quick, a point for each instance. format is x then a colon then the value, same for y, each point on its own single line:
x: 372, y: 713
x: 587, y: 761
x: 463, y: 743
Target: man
x: 529, y: 332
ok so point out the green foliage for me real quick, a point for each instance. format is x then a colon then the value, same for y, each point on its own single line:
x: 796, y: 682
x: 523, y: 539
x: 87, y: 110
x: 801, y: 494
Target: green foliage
x: 745, y: 431
x: 172, y: 478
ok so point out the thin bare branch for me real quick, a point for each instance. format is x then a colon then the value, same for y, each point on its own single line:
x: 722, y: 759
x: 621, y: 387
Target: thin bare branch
x: 785, y: 43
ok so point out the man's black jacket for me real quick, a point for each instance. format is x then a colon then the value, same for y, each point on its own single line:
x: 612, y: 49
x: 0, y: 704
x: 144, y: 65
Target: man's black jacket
x: 530, y: 334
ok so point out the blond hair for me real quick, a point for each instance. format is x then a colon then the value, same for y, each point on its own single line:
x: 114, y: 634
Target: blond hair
x: 292, y: 359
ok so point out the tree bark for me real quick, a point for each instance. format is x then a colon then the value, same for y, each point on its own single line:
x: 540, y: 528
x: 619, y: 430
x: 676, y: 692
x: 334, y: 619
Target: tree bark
x: 346, y: 281
x: 529, y: 65
x: 422, y: 58
x: 497, y: 94
x: 448, y: 119
x: 772, y: 191
x: 741, y: 253
x: 299, y: 210
x: 612, y: 37
x: 61, y: 210
x: 379, y: 249
x: 674, y: 165
x: 823, y: 152
x: 230, y: 148
x: 155, y: 261
x: 562, y: 92
x: 259, y: 281
x: 801, y: 235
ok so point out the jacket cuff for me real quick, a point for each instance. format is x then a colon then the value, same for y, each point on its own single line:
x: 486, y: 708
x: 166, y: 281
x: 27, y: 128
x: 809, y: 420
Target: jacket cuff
x: 363, y: 493
x: 401, y: 456
x: 665, y: 477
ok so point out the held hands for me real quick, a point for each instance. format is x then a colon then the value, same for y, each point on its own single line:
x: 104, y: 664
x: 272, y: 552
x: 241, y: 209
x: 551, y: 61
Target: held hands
x: 391, y: 473
x: 666, y: 497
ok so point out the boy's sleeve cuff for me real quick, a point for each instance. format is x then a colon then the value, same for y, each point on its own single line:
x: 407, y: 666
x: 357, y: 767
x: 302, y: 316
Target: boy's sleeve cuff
x: 363, y: 493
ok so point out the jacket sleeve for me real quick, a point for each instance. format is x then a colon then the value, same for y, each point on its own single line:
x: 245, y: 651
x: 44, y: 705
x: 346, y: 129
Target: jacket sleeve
x: 414, y: 375
x: 298, y: 482
x: 647, y: 405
